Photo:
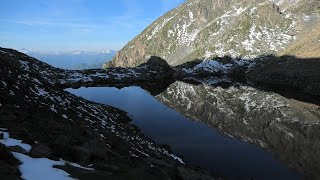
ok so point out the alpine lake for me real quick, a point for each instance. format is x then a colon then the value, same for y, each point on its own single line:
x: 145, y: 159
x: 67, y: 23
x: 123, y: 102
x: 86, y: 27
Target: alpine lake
x: 230, y: 128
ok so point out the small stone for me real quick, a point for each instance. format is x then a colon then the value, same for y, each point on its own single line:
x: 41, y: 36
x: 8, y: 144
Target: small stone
x: 17, y: 149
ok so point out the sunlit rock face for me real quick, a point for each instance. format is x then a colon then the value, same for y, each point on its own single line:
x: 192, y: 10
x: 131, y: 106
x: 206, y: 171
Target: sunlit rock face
x: 202, y: 29
x: 288, y: 128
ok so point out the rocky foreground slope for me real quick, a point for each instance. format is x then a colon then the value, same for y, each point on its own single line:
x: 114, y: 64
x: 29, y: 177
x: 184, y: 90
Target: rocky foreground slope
x: 203, y: 29
x: 38, y: 119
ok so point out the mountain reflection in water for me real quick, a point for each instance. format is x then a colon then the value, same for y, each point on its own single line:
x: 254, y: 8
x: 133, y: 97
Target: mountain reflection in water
x: 207, y: 118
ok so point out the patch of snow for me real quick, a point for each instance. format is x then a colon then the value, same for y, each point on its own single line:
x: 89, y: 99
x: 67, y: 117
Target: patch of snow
x: 100, y: 75
x: 13, y: 142
x: 185, y: 35
x: 220, y: 52
x: 53, y: 109
x: 239, y: 11
x: 175, y: 157
x: 41, y: 91
x: 4, y: 84
x: 253, y: 10
x: 133, y: 155
x: 288, y: 15
x: 210, y: 66
x: 24, y: 65
x: 306, y: 17
x: 12, y: 93
x: 37, y: 168
x: 37, y: 81
x: 191, y: 15
x: 40, y: 168
x: 140, y: 152
x: 208, y: 55
x: 254, y: 35
x: 17, y: 87
x: 289, y: 134
x: 170, y: 34
x: 159, y: 27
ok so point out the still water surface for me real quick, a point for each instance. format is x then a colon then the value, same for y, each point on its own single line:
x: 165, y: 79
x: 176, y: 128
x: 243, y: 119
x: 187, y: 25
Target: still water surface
x: 195, y: 142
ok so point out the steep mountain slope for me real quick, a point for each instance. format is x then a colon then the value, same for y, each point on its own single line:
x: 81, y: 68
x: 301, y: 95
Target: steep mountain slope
x: 307, y: 44
x: 209, y: 28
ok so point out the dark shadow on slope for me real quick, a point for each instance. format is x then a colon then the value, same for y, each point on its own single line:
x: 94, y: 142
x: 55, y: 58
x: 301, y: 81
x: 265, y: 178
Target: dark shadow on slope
x: 289, y: 76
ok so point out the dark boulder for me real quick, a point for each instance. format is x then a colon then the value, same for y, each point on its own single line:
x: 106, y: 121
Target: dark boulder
x: 8, y: 164
x: 159, y: 65
x: 225, y: 60
x: 40, y: 151
x: 6, y: 155
x: 81, y: 155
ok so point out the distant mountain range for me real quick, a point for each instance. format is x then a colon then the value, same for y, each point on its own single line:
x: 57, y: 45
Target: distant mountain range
x: 205, y: 29
x: 73, y: 59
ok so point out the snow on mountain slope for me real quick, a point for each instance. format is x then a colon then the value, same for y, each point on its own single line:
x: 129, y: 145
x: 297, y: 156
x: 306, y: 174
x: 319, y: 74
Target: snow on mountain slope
x: 205, y: 29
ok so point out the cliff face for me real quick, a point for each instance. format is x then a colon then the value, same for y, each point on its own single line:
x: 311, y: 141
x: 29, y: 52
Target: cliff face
x: 208, y: 28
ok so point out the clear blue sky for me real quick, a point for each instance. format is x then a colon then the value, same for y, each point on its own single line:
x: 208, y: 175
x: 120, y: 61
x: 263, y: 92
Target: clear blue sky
x: 55, y: 25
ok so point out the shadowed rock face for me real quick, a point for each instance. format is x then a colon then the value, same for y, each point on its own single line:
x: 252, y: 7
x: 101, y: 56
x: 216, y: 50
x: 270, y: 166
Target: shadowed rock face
x: 200, y: 29
x: 287, y: 128
x: 302, y: 74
